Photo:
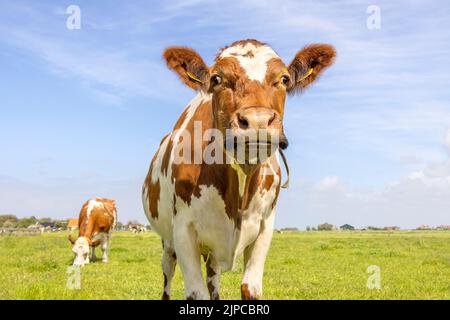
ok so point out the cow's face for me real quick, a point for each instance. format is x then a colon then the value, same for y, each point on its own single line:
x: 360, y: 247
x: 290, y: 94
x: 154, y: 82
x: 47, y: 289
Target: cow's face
x: 248, y: 83
x: 81, y: 251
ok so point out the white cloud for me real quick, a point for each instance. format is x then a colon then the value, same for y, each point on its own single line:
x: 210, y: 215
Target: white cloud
x: 98, y: 68
x: 328, y: 183
x: 447, y: 139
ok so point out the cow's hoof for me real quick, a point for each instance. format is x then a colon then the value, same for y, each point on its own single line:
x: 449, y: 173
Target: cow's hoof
x: 196, y: 295
x: 165, y: 296
x: 215, y: 296
x: 249, y: 293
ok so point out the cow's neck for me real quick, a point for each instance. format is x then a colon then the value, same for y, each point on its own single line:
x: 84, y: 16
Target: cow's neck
x: 244, y: 173
x: 88, y: 229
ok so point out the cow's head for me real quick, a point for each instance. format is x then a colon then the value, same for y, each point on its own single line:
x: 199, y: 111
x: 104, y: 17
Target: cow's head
x: 248, y: 83
x: 81, y: 251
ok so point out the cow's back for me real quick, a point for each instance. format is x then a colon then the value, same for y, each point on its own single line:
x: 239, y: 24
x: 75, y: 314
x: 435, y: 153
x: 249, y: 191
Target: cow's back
x: 97, y: 215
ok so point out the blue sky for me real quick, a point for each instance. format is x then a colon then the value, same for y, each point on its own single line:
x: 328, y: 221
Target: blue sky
x: 82, y: 111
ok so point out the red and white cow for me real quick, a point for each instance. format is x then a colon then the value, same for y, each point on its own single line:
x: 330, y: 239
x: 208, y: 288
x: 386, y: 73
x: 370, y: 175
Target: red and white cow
x: 97, y: 220
x: 222, y: 210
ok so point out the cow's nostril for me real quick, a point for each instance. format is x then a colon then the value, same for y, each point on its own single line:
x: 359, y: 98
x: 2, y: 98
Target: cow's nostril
x: 243, y: 123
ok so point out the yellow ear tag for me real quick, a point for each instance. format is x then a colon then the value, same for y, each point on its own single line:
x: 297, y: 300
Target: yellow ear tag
x: 193, y: 77
x: 310, y: 71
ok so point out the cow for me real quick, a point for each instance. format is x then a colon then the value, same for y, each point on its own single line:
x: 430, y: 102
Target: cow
x: 135, y: 228
x: 222, y: 210
x: 96, y: 222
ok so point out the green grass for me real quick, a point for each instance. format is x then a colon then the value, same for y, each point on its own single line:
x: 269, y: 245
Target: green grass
x: 305, y: 265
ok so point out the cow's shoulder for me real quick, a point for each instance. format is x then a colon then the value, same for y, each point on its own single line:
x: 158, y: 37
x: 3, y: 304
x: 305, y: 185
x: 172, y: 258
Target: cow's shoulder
x: 186, y: 175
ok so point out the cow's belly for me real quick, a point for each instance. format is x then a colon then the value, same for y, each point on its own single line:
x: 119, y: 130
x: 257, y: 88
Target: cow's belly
x: 216, y: 232
x: 100, y: 236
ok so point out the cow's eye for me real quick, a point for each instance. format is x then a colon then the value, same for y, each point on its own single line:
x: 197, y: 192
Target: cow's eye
x: 285, y: 80
x: 216, y: 80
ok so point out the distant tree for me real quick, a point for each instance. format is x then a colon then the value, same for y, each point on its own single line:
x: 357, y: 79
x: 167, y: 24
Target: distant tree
x: 133, y: 222
x: 6, y: 217
x: 314, y: 229
x: 308, y: 228
x: 9, y: 224
x: 119, y: 226
x: 26, y: 222
x: 347, y: 227
x: 61, y: 223
x: 45, y: 220
x: 325, y: 227
x: 289, y: 229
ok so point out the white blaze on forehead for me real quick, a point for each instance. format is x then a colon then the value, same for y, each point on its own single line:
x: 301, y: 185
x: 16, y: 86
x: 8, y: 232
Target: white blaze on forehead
x: 82, y: 242
x: 253, y: 59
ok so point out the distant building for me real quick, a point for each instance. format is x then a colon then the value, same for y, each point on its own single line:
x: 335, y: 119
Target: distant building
x: 443, y: 227
x: 391, y: 228
x: 48, y: 224
x: 424, y: 227
x: 347, y: 227
x: 72, y: 224
x: 43, y: 226
x: 35, y: 226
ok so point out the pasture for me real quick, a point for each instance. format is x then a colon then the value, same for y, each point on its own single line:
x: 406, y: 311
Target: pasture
x: 300, y: 265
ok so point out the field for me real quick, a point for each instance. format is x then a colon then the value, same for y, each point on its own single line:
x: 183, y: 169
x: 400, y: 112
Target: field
x: 303, y: 265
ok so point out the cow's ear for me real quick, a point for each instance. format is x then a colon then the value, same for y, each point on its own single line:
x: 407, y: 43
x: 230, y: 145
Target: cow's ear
x: 308, y: 64
x: 188, y: 65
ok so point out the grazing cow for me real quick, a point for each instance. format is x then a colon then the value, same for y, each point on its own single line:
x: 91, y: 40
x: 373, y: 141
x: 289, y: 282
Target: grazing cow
x: 135, y: 228
x: 97, y: 220
x: 223, y: 209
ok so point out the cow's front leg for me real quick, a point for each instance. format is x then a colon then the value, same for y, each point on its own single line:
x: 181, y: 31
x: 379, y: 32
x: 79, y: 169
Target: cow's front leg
x: 188, y: 256
x: 254, y: 259
x: 213, y: 277
x: 105, y: 247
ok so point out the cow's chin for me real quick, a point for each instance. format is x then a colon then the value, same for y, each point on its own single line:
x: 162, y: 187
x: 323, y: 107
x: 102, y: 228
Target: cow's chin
x: 250, y: 155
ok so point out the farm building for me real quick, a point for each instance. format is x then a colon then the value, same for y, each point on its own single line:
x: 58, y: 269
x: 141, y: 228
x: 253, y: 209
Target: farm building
x: 35, y: 226
x: 72, y: 224
x: 391, y: 228
x: 43, y: 226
